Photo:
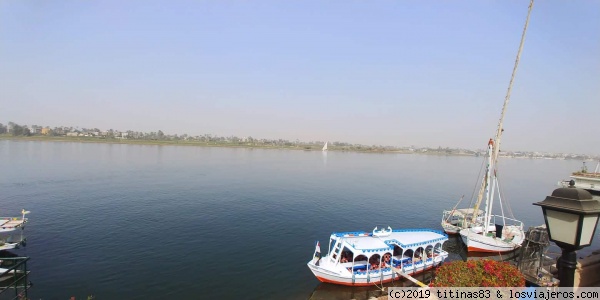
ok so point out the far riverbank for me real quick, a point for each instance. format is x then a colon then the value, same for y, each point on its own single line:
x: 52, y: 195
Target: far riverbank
x: 82, y: 139
x: 284, y: 145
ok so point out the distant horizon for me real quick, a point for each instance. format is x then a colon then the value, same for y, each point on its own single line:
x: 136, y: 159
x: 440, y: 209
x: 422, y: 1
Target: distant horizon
x: 80, y: 128
x: 374, y: 73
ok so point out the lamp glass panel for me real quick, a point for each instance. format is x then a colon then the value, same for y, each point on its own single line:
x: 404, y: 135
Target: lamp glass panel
x: 589, y: 223
x: 562, y: 226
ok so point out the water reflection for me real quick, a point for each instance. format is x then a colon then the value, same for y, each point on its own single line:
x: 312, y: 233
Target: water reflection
x: 327, y: 291
x: 455, y: 248
x: 507, y: 256
x: 458, y: 251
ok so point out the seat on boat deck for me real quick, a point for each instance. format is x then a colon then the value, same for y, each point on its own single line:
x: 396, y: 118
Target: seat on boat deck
x: 398, y: 259
x: 359, y: 265
x: 359, y: 268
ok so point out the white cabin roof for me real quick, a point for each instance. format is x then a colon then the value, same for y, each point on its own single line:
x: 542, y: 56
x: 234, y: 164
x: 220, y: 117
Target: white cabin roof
x: 367, y: 242
x: 405, y: 238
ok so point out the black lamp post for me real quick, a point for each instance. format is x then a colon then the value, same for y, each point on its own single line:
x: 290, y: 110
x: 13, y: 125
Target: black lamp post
x: 571, y: 217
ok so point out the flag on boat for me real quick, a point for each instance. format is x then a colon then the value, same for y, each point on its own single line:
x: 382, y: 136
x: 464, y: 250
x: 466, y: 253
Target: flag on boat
x: 317, y: 253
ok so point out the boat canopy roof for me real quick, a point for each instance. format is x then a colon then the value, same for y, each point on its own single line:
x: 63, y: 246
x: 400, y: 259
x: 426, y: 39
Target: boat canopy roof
x: 466, y: 212
x: 405, y: 238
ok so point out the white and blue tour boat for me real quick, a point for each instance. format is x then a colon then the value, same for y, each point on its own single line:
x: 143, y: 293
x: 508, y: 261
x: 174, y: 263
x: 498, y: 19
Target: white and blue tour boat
x: 370, y: 258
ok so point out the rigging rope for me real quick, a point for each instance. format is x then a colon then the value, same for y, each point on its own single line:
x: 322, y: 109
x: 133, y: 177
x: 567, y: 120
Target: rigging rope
x: 506, y: 203
x: 496, y: 143
x: 472, y: 203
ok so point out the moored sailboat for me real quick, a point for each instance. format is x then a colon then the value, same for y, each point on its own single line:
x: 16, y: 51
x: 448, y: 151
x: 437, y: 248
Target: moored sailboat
x: 460, y: 218
x: 495, y: 233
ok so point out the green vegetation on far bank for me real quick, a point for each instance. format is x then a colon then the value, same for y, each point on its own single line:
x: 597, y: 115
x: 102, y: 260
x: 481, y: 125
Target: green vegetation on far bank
x: 229, y: 144
x: 15, y: 131
x: 254, y: 144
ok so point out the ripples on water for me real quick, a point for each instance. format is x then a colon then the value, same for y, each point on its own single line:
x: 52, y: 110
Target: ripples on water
x: 167, y: 222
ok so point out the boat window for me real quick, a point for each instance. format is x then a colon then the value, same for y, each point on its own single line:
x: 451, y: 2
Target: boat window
x: 361, y: 258
x: 397, y: 250
x: 346, y: 256
x: 387, y: 259
x: 429, y: 251
x: 419, y: 253
x: 409, y: 253
x: 437, y: 249
x: 375, y: 260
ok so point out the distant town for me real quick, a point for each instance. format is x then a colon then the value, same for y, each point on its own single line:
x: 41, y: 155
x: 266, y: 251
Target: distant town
x: 64, y: 133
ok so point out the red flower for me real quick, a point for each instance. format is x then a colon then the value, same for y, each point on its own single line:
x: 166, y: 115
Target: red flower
x: 478, y: 273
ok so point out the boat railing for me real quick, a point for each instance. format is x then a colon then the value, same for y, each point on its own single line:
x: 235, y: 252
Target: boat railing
x: 507, y: 221
x: 587, y: 175
x: 15, y: 277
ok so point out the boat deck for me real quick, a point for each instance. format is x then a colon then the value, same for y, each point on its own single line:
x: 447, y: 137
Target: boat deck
x: 8, y: 223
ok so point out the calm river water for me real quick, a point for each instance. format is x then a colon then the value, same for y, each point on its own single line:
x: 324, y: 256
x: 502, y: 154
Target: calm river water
x: 168, y: 222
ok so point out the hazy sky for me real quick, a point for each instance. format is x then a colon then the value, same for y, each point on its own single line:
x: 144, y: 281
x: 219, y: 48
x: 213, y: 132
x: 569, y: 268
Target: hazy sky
x: 423, y: 73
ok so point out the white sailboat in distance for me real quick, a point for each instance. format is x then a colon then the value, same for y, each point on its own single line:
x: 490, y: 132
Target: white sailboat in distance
x: 325, y: 146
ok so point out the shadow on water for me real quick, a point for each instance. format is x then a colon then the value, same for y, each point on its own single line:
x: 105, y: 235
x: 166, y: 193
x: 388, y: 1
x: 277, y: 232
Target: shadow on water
x: 458, y: 251
x: 455, y: 248
x: 327, y: 291
x: 507, y: 256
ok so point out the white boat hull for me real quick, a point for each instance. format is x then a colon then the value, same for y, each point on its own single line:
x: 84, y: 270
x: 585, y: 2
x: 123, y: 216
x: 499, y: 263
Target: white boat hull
x: 10, y: 246
x: 451, y: 229
x: 373, y: 277
x: 582, y: 182
x: 511, y: 240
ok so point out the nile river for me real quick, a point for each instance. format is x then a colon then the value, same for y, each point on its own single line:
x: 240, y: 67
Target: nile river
x: 171, y: 222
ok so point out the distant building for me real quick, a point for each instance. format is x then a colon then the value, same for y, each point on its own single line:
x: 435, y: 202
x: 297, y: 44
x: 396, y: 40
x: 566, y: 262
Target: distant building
x: 45, y: 131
